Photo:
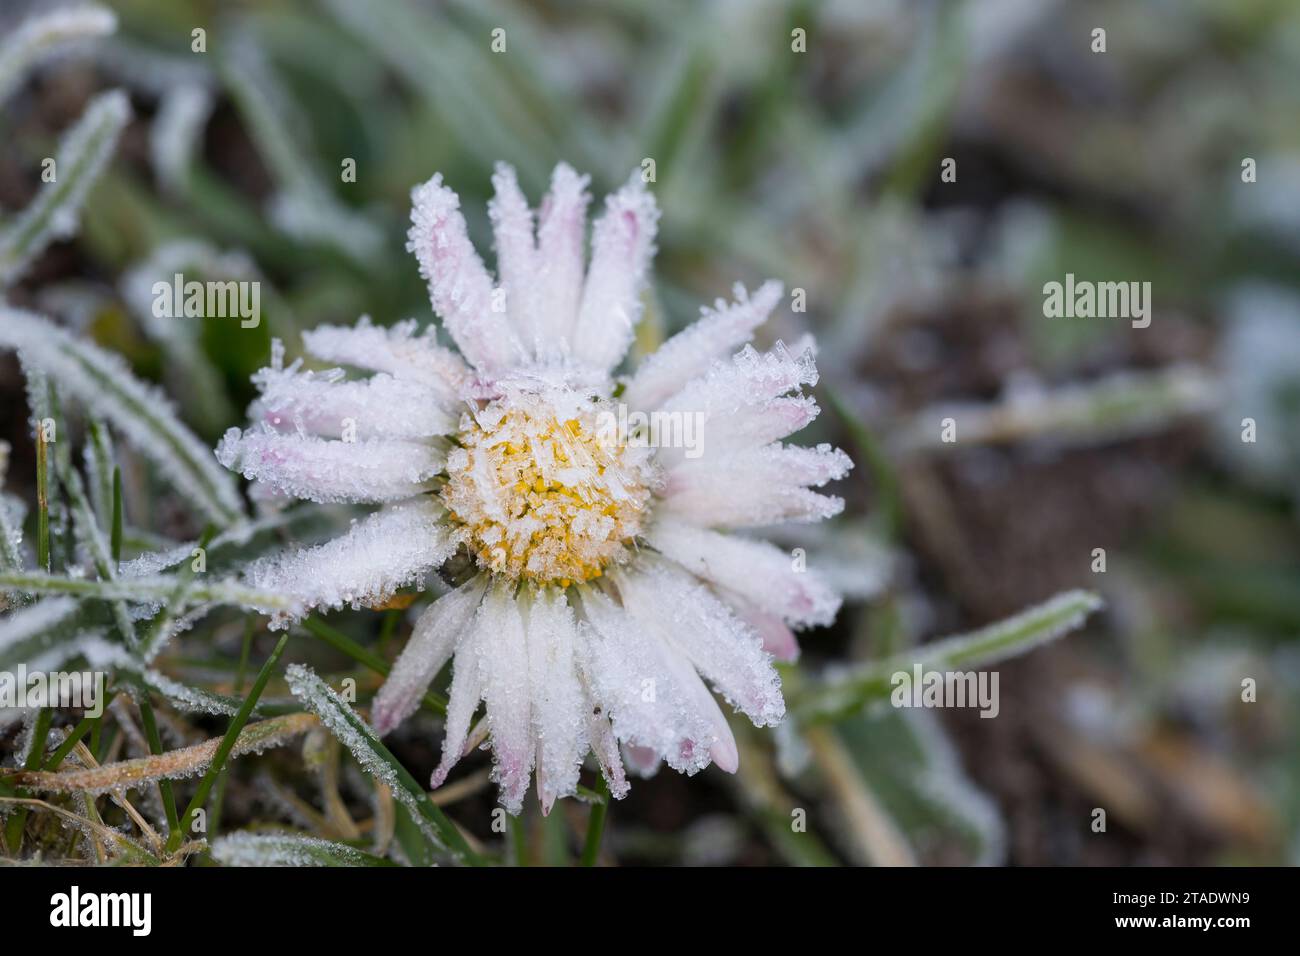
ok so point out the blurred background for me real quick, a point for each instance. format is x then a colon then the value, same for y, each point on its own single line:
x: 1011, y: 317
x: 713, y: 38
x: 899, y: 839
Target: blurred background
x: 802, y: 141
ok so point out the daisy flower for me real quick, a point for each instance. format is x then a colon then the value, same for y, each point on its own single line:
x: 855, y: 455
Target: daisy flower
x: 607, y: 585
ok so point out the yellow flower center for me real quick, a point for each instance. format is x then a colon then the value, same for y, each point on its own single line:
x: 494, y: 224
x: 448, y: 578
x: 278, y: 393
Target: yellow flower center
x: 541, y: 492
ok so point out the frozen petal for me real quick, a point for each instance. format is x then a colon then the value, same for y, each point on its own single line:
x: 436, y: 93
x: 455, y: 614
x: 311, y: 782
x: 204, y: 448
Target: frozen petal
x: 622, y: 246
x: 390, y: 549
x: 643, y: 761
x: 605, y: 747
x: 396, y: 350
x: 667, y: 601
x: 758, y: 486
x: 561, y: 235
x: 691, y: 352
x: 650, y: 691
x: 503, y: 670
x: 764, y: 575
x: 560, y: 706
x: 433, y: 641
x: 517, y: 261
x: 462, y: 700
x: 459, y: 285
x: 778, y: 640
x: 321, y: 470
x: 322, y: 403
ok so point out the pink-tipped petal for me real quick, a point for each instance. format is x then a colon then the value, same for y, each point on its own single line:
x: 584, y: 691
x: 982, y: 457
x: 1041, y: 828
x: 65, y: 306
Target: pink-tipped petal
x: 622, y: 245
x: 459, y: 285
x: 517, y: 261
x: 561, y: 238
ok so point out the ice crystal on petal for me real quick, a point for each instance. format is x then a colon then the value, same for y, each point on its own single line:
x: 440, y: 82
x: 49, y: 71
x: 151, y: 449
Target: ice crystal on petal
x: 317, y: 469
x: 392, y: 548
x: 432, y: 643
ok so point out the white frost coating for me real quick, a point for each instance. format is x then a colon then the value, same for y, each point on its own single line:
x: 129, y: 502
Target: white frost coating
x: 462, y: 700
x: 313, y: 215
x: 666, y: 600
x: 432, y: 643
x: 323, y: 403
x: 177, y: 133
x: 12, y: 512
x: 503, y: 673
x: 317, y: 469
x: 690, y: 353
x: 459, y: 285
x: 761, y: 486
x: 53, y: 214
x: 512, y: 229
x: 396, y: 350
x: 283, y: 849
x: 561, y: 241
x: 33, y: 620
x: 753, y: 489
x: 102, y: 381
x: 651, y: 692
x: 749, y: 378
x: 47, y: 34
x: 622, y: 245
x: 391, y: 548
x: 561, y: 706
x: 760, y: 572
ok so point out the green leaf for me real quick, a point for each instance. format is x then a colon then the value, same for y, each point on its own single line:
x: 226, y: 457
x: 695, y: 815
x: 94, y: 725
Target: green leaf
x: 355, y: 734
x: 46, y: 34
x: 871, y: 683
x: 289, y: 849
x: 53, y: 214
x: 101, y: 381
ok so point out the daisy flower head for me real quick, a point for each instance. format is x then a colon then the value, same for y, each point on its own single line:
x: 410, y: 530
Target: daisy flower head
x: 598, y: 513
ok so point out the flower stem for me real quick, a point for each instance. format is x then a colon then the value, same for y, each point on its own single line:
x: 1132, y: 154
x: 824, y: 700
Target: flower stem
x: 596, y: 824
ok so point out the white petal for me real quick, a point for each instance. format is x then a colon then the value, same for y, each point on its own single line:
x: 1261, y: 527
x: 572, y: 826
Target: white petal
x: 605, y: 747
x: 749, y: 378
x: 321, y: 470
x: 643, y: 761
x: 503, y: 671
x: 459, y: 285
x: 322, y: 403
x: 690, y: 353
x: 778, y: 640
x: 761, y: 573
x: 395, y: 349
x: 666, y: 600
x: 517, y: 261
x: 758, y: 486
x: 435, y: 636
x: 462, y: 700
x: 392, y: 548
x: 622, y: 246
x: 740, y: 403
x: 561, y: 238
x: 560, y: 706
x: 650, y: 691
